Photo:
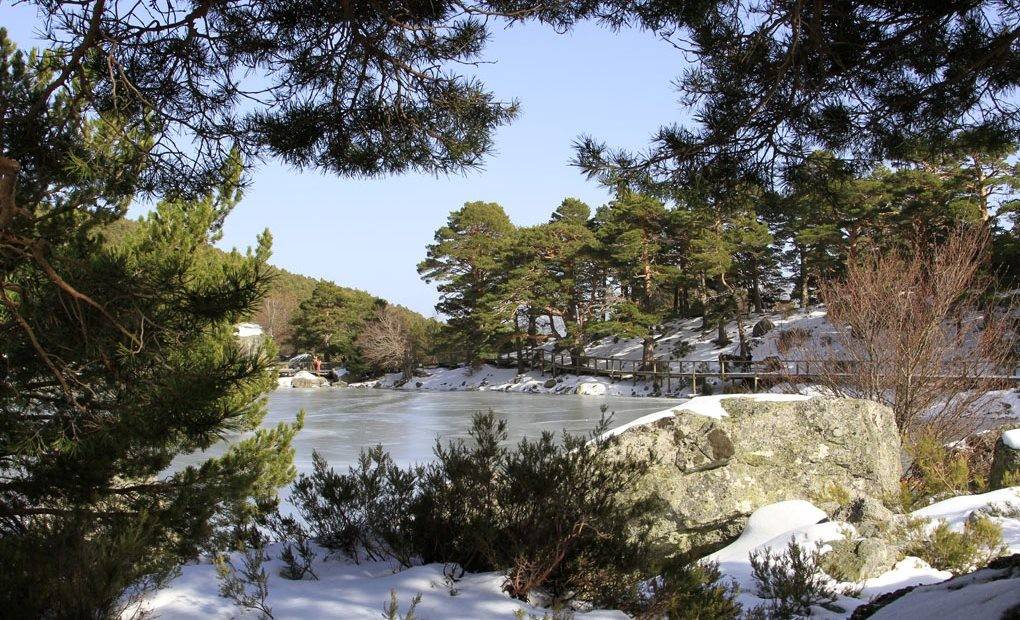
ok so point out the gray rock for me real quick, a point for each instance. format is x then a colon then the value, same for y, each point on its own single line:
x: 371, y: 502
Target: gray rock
x: 762, y: 327
x: 864, y: 510
x: 712, y: 474
x: 549, y: 384
x: 1005, y: 466
x: 307, y: 380
x: 876, y: 557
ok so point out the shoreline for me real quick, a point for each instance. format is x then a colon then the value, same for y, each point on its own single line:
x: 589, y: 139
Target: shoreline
x: 490, y: 378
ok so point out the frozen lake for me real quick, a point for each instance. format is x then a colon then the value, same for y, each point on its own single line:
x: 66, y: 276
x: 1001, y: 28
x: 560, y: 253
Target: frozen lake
x: 340, y: 422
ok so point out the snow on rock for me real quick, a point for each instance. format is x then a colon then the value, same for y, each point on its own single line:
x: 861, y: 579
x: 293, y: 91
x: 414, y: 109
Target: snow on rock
x: 711, y: 406
x: 770, y: 529
x: 708, y: 406
x: 642, y: 421
x: 1011, y: 439
x: 591, y: 388
x: 305, y: 379
x: 955, y: 511
x: 769, y: 523
x: 712, y: 471
x: 909, y: 571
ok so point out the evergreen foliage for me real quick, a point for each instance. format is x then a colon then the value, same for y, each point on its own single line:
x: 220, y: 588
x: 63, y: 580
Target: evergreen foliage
x: 328, y: 323
x: 549, y: 514
x: 466, y: 260
x: 959, y: 552
x: 117, y: 356
x: 792, y: 582
x: 718, y: 248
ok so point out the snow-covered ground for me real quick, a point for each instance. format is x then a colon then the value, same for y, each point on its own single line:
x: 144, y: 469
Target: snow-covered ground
x: 346, y: 590
x: 682, y: 339
x: 491, y: 378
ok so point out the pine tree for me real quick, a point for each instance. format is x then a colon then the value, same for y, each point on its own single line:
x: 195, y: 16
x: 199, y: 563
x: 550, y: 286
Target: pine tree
x: 631, y: 231
x: 547, y: 275
x: 467, y: 259
x: 117, y: 355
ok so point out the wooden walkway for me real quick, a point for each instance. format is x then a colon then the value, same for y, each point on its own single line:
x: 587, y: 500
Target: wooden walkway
x: 755, y: 374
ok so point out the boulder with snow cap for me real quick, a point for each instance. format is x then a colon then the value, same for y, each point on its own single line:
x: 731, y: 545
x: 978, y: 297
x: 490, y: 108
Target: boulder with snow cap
x: 1006, y: 461
x: 305, y: 379
x: 590, y: 388
x: 722, y: 457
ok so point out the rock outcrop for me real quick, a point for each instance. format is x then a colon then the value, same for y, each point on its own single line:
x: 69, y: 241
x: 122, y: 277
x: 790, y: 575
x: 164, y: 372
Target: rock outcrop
x: 1006, y: 461
x: 713, y: 472
x: 590, y: 388
x: 305, y: 379
x: 762, y: 327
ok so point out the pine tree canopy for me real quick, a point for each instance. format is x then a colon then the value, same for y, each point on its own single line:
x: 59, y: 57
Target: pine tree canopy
x: 771, y: 82
x: 117, y: 355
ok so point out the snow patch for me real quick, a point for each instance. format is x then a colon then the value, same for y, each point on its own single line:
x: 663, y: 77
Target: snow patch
x: 247, y: 330
x: 1012, y: 439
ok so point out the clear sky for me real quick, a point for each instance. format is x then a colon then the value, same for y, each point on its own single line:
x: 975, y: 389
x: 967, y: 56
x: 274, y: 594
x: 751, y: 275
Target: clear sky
x: 370, y: 234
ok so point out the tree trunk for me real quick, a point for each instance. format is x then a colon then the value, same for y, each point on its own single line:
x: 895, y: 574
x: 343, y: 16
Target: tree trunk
x: 805, y: 297
x: 520, y: 354
x: 756, y: 287
x: 648, y: 352
x: 703, y: 297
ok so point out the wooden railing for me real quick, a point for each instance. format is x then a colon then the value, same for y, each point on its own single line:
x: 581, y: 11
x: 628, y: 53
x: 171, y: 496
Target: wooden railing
x: 754, y: 373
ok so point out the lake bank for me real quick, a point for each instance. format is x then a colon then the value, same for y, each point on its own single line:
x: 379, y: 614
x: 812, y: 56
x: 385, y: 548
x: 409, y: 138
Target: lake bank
x: 490, y: 378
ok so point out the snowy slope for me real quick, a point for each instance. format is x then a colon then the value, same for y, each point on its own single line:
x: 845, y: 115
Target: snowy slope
x: 346, y: 590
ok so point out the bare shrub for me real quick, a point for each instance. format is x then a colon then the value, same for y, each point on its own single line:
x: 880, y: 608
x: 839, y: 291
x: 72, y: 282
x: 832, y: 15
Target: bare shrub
x: 393, y: 341
x: 915, y: 332
x: 788, y: 339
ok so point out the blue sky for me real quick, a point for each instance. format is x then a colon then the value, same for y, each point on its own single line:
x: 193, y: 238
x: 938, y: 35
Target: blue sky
x: 370, y: 234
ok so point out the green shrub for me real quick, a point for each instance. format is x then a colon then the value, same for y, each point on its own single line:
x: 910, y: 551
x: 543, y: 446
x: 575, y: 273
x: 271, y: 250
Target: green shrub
x: 936, y: 472
x: 69, y: 569
x: 842, y: 562
x: 958, y: 552
x: 691, y: 591
x: 246, y: 585
x: 297, y: 553
x: 792, y: 581
x: 366, y: 512
x: 549, y: 514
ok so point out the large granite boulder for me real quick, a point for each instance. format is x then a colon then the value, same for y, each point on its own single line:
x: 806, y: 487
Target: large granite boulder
x: 590, y: 388
x: 721, y: 458
x: 1006, y: 461
x: 305, y: 379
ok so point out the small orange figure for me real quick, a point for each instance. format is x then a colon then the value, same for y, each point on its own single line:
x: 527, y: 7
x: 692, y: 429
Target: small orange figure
x: 318, y: 364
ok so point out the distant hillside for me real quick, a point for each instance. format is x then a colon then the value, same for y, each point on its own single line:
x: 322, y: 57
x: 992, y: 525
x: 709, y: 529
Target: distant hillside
x: 285, y: 295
